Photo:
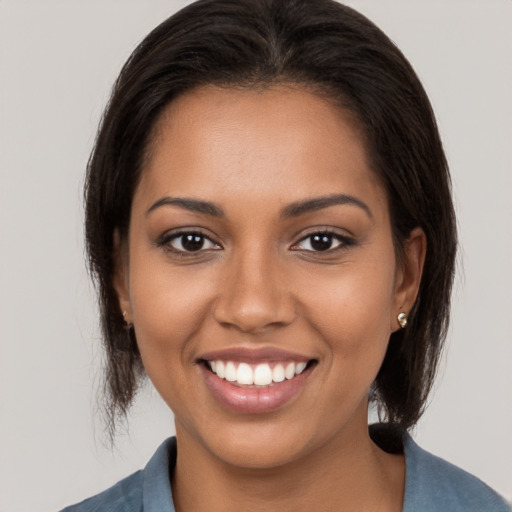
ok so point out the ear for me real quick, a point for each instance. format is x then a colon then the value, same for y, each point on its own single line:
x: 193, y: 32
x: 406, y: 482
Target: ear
x: 408, y: 275
x: 120, y: 279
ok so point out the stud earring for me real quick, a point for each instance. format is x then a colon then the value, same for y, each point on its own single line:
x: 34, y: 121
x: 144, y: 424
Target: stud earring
x: 402, y: 319
x: 128, y: 324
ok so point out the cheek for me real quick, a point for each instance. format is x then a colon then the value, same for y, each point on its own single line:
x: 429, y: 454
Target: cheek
x: 166, y: 314
x: 351, y: 309
x: 168, y: 307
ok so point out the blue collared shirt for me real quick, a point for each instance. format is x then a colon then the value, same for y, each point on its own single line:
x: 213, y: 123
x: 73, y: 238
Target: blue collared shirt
x: 431, y: 485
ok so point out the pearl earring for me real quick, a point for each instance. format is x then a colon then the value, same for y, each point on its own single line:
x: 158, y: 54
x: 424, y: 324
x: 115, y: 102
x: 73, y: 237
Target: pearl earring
x: 128, y: 324
x: 402, y: 319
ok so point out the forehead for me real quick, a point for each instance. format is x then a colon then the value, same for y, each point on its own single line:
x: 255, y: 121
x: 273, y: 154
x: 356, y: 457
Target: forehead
x: 272, y: 142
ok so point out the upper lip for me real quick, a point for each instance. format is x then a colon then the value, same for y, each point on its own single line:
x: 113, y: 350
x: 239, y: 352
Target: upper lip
x: 256, y: 355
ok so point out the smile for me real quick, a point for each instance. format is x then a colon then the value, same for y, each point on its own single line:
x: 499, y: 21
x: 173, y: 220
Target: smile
x: 255, y: 381
x: 263, y: 374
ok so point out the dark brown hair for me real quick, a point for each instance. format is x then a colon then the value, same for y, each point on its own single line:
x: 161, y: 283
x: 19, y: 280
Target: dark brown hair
x: 318, y: 44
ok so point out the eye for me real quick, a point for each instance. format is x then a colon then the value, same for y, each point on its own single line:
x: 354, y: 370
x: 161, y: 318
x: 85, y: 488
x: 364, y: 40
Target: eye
x: 189, y: 242
x: 322, y: 242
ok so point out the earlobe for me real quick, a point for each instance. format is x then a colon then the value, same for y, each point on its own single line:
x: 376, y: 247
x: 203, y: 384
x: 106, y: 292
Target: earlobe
x: 409, y: 276
x: 120, y: 276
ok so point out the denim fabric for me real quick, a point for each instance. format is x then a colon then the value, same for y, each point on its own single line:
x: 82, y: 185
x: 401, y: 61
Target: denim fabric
x: 431, y: 485
x: 148, y: 490
x: 434, y: 485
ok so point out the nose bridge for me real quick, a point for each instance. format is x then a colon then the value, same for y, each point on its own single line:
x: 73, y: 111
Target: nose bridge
x: 254, y: 294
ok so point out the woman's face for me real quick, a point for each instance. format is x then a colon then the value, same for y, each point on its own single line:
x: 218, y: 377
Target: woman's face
x: 260, y: 274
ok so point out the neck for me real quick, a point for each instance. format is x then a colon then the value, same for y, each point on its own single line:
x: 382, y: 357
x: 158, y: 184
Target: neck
x: 348, y: 472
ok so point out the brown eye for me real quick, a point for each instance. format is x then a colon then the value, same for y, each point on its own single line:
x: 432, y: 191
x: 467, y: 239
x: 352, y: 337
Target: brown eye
x: 190, y: 242
x: 323, y: 242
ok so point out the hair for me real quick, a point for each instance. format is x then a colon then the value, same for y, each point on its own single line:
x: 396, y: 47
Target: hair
x: 323, y: 46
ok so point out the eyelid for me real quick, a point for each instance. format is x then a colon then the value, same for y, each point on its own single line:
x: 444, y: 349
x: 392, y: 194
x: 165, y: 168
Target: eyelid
x: 166, y: 238
x: 345, y: 240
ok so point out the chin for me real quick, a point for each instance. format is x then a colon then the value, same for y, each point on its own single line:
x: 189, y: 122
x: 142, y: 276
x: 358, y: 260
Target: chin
x: 261, y: 451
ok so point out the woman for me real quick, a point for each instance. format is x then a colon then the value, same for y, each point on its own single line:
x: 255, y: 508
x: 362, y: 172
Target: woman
x: 269, y: 221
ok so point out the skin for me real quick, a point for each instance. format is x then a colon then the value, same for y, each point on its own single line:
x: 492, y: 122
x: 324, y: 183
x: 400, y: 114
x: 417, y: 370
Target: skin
x: 258, y: 283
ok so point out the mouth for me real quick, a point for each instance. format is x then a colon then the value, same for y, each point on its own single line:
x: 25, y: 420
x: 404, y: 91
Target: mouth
x: 257, y: 375
x: 255, y: 382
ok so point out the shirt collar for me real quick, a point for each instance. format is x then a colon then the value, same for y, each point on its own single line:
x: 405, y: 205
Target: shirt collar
x: 156, y: 487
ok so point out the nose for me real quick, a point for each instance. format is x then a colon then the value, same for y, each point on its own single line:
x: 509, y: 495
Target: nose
x: 255, y: 295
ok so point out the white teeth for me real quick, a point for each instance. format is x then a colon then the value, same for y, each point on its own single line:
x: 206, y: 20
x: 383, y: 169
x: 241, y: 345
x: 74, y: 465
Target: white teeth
x: 230, y: 372
x: 260, y: 375
x: 277, y: 373
x: 300, y: 368
x: 220, y: 369
x: 289, y: 371
x: 244, y: 374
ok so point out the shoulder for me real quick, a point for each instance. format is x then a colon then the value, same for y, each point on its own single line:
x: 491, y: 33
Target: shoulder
x: 147, y: 489
x: 434, y: 484
x: 125, y: 496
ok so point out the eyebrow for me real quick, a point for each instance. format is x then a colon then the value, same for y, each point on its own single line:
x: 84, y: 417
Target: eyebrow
x: 292, y: 210
x: 194, y: 205
x: 319, y: 203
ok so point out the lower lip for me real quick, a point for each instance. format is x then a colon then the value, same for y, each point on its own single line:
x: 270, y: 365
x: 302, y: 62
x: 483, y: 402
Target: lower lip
x: 254, y: 400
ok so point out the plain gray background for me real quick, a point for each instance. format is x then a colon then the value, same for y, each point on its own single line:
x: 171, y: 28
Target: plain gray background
x: 58, y: 60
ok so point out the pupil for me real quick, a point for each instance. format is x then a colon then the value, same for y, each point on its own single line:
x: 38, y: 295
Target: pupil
x: 192, y: 242
x: 321, y: 242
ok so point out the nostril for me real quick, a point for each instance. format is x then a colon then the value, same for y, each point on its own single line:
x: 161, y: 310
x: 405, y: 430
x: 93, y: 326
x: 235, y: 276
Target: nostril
x: 251, y: 317
x: 251, y: 299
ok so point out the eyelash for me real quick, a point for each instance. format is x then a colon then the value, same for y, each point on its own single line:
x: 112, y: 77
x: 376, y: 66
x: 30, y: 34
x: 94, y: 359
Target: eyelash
x: 166, y: 242
x: 328, y: 236
x: 344, y: 241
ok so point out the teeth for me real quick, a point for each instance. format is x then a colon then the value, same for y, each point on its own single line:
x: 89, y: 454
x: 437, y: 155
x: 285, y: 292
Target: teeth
x: 220, y: 369
x: 299, y: 368
x: 244, y: 374
x: 261, y: 375
x: 289, y: 371
x: 277, y: 373
x: 230, y: 372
